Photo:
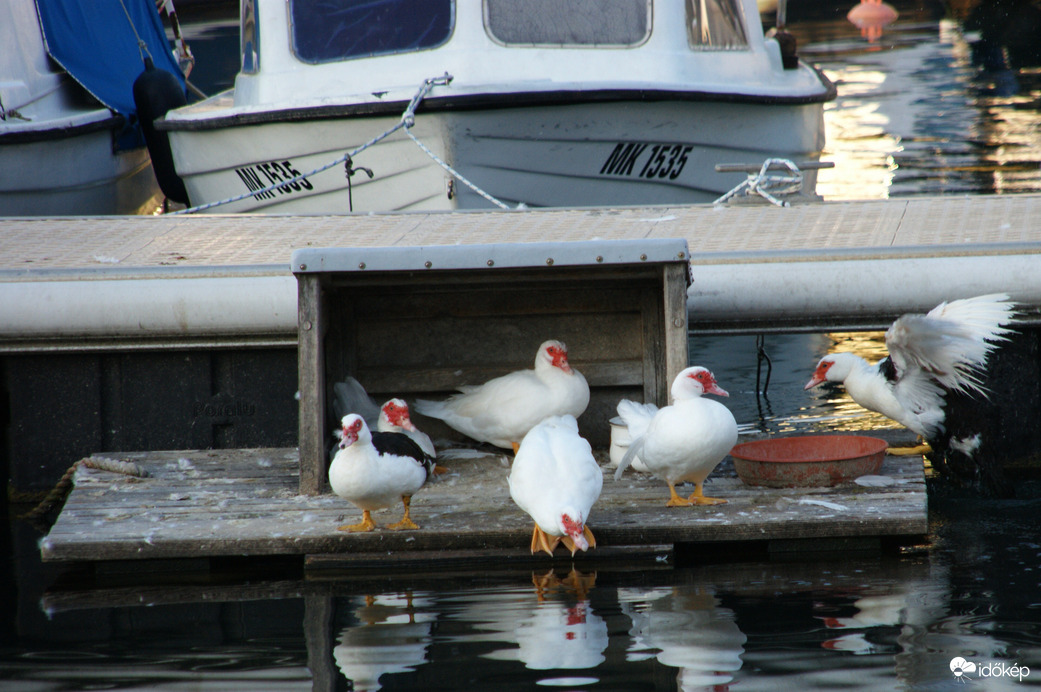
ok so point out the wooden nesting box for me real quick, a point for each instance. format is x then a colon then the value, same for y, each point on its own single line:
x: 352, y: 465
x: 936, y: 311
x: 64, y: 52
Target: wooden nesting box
x: 417, y: 322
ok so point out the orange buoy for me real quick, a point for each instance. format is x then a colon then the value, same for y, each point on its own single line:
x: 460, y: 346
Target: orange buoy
x: 870, y: 16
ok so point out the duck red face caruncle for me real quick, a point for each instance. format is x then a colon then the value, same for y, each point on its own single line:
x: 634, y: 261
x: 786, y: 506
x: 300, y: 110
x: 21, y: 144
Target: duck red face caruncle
x: 708, y: 382
x: 351, y: 430
x: 558, y: 356
x: 575, y: 529
x: 396, y: 412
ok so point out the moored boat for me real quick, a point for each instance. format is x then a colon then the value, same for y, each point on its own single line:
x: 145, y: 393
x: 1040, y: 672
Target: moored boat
x: 343, y: 106
x: 68, y: 142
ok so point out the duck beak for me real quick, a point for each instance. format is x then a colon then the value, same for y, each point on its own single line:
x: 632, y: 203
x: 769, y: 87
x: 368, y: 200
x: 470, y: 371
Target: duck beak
x: 814, y: 381
x: 717, y: 390
x: 580, y: 542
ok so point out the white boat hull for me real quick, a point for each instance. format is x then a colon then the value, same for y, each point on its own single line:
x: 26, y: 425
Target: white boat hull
x: 585, y: 154
x: 58, y: 154
x: 65, y: 171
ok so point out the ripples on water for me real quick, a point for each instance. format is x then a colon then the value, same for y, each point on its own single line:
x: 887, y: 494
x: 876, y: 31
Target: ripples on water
x: 921, y: 113
x: 915, y: 116
x: 845, y: 621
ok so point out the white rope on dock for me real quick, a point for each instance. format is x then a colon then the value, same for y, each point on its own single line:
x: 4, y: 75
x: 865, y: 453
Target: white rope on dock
x: 408, y: 119
x: 768, y: 185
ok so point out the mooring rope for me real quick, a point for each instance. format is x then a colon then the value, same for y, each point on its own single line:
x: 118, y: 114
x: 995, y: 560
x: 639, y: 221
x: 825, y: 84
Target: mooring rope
x: 12, y: 111
x: 767, y: 184
x: 408, y: 119
x: 453, y: 172
x: 57, y: 496
x: 142, y: 47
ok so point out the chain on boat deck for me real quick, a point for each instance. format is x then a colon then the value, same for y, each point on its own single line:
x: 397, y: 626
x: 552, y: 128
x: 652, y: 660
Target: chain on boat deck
x: 120, y: 244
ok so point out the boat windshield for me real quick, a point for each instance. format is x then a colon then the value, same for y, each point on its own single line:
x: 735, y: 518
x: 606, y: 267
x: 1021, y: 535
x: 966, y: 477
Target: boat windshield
x: 568, y: 22
x: 715, y: 25
x: 329, y: 30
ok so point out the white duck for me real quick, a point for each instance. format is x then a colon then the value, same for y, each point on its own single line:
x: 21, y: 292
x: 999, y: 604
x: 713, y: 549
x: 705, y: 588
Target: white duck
x: 931, y: 357
x: 394, y: 417
x: 556, y: 480
x: 502, y: 410
x: 375, y: 470
x: 686, y: 440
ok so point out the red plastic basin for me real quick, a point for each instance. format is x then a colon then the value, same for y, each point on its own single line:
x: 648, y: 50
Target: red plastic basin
x: 809, y: 461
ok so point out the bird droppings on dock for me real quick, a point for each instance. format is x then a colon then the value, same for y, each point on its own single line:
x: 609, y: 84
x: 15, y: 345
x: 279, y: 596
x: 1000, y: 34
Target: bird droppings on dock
x: 231, y: 506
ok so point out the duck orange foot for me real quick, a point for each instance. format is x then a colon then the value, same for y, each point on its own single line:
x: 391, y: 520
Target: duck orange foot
x: 406, y: 523
x: 540, y: 540
x: 366, y: 524
x: 696, y: 498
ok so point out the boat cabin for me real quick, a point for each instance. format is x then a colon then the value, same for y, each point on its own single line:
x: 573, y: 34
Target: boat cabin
x: 301, y: 47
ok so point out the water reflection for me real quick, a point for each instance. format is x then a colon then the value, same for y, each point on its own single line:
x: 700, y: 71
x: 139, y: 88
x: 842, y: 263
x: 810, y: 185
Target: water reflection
x: 931, y: 108
x: 550, y: 627
x: 851, y: 621
x: 392, y: 637
x: 684, y: 627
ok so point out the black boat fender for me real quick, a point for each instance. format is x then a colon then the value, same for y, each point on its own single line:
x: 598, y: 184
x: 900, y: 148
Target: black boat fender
x: 156, y: 92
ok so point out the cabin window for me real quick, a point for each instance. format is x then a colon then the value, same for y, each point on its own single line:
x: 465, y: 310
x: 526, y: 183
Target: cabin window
x: 328, y: 30
x: 249, y: 37
x: 715, y: 24
x: 568, y: 22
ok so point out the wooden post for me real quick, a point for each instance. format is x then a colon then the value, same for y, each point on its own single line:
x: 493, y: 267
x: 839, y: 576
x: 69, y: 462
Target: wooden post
x: 319, y: 609
x: 676, y: 357
x: 311, y: 329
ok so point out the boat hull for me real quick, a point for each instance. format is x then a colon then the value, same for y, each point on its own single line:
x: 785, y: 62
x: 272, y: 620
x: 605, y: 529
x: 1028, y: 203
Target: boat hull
x: 577, y: 154
x: 64, y: 171
x: 58, y: 153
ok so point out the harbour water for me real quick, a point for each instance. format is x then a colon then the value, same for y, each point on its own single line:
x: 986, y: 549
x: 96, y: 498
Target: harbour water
x: 915, y: 115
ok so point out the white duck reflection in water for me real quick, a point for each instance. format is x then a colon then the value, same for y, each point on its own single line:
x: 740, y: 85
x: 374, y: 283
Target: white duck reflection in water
x: 553, y: 627
x: 880, y: 610
x: 910, y: 612
x: 684, y: 627
x: 392, y: 636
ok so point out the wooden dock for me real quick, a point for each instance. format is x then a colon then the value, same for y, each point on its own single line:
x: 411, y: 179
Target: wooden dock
x: 247, y: 503
x: 143, y: 287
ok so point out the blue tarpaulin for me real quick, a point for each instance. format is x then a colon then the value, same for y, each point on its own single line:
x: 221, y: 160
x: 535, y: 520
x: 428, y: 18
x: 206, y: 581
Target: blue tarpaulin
x: 96, y: 43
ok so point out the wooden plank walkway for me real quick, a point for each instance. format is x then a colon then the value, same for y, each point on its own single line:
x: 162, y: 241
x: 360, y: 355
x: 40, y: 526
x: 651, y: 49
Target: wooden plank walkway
x: 246, y: 503
x: 209, y: 278
x: 265, y: 242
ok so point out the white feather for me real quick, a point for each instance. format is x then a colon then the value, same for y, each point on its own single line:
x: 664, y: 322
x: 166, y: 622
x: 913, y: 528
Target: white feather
x: 636, y: 416
x: 944, y: 350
